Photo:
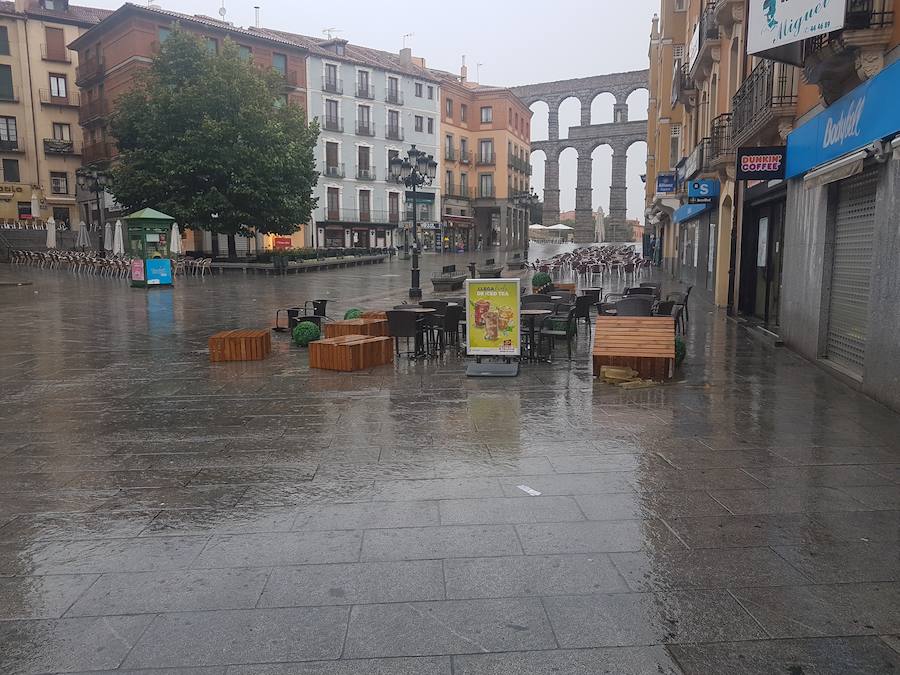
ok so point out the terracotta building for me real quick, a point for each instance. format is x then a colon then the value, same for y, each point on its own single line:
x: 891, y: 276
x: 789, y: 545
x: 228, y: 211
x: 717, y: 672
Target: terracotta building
x: 40, y: 140
x: 485, y: 148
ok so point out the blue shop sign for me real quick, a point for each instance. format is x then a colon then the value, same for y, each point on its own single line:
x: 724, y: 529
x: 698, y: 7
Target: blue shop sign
x: 665, y: 182
x: 703, y: 191
x: 866, y: 114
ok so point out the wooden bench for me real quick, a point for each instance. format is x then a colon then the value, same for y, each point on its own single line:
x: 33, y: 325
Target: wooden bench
x: 371, y: 327
x: 516, y: 262
x: 240, y: 345
x: 490, y: 269
x: 644, y: 343
x: 448, y: 279
x: 348, y: 353
x: 374, y: 314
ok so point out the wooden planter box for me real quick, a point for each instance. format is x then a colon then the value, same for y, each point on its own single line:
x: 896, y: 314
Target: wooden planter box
x: 644, y: 344
x: 568, y: 288
x: 240, y: 345
x: 348, y: 353
x: 372, y: 327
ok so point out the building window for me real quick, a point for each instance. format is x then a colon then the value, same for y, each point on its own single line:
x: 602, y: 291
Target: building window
x: 244, y: 52
x: 448, y: 109
x: 675, y: 147
x: 8, y: 129
x: 362, y: 83
x: 394, y: 207
x: 333, y: 204
x: 391, y: 155
x: 463, y: 112
x: 62, y: 132
x: 365, y: 205
x: 487, y: 115
x: 420, y: 123
x: 279, y: 63
x: 59, y: 182
x: 430, y: 93
x: 6, y: 84
x: 464, y: 182
x: 331, y: 159
x: 448, y: 182
x: 486, y: 151
x: 679, y: 5
x: 486, y: 185
x: 463, y: 148
x: 61, y: 214
x: 212, y: 45
x: 418, y: 90
x: 430, y: 125
x: 11, y: 170
x: 58, y: 86
x: 393, y: 90
x: 4, y: 41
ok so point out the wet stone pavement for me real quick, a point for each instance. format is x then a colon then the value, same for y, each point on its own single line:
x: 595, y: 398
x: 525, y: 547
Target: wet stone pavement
x: 161, y: 512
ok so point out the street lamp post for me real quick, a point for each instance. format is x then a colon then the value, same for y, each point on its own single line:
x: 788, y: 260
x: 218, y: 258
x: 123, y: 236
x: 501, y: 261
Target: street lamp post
x: 526, y: 200
x: 417, y: 170
x: 93, y: 181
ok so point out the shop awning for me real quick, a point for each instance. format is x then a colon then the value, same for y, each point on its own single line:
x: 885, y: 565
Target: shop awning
x: 691, y: 211
x: 837, y: 170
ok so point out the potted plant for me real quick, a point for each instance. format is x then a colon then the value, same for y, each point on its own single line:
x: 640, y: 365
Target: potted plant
x: 304, y: 333
x: 540, y: 282
x: 352, y: 314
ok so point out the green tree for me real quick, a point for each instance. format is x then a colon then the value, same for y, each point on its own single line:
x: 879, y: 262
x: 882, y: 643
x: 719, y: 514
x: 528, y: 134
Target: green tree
x: 210, y: 140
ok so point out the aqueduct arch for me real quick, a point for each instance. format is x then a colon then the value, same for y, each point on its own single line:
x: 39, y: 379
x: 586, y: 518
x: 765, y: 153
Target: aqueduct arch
x: 618, y: 134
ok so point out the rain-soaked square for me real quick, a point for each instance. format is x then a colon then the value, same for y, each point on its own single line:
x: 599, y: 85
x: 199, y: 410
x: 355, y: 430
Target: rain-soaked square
x: 160, y: 512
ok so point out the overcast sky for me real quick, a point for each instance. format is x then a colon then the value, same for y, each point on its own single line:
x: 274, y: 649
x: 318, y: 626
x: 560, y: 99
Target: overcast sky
x: 517, y: 42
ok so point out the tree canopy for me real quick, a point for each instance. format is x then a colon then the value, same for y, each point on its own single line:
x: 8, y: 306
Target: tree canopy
x: 210, y: 139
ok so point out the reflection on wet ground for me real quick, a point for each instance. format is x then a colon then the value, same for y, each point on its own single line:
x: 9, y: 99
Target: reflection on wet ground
x: 160, y: 512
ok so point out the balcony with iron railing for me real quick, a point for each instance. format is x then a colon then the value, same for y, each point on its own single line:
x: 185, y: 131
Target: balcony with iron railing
x: 465, y: 156
x: 57, y: 146
x: 92, y: 110
x: 456, y: 191
x: 708, y: 34
x: 332, y: 85
x: 12, y: 144
x: 486, y: 158
x: 55, y: 54
x: 97, y: 152
x: 697, y: 162
x: 450, y: 153
x: 333, y: 170
x: 365, y: 173
x: 727, y: 13
x: 365, y: 90
x: 72, y: 98
x: 486, y: 192
x: 89, y: 70
x: 330, y: 123
x: 394, y: 133
x: 394, y: 96
x: 683, y: 87
x: 721, y: 147
x: 365, y: 128
x: 291, y: 79
x: 767, y: 98
x: 336, y: 214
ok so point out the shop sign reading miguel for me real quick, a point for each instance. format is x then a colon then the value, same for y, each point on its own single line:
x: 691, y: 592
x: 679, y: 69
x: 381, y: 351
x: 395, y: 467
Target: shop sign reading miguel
x: 775, y: 23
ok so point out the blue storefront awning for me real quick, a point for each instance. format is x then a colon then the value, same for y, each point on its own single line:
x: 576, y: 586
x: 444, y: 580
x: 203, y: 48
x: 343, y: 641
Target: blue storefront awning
x: 690, y: 211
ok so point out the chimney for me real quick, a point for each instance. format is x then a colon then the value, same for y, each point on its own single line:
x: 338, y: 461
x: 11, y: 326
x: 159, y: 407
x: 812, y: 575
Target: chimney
x: 463, y: 71
x: 406, y: 56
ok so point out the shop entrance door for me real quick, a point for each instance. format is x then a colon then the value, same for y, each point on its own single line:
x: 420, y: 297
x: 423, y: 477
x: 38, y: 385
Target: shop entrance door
x: 769, y: 245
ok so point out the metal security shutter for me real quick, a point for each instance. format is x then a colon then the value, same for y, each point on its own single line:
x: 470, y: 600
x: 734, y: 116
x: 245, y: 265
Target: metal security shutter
x: 852, y: 270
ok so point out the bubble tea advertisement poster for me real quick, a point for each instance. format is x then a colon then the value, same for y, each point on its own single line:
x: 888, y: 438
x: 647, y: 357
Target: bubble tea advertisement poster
x: 492, y: 317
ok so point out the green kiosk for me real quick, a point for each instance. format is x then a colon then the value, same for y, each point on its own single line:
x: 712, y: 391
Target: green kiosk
x: 148, y: 241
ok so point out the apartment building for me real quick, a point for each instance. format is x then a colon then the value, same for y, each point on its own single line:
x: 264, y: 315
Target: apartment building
x: 779, y: 198
x: 40, y: 139
x: 113, y: 53
x: 371, y: 105
x: 486, y: 150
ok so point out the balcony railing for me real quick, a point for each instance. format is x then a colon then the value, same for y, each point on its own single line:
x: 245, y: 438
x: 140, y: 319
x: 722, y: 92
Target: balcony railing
x: 519, y: 164
x: 486, y: 192
x: 339, y: 215
x: 97, y: 152
x: 394, y: 96
x: 465, y: 156
x: 365, y: 128
x: 365, y: 172
x: 12, y: 145
x: 454, y: 191
x: 92, y: 110
x: 72, y: 98
x: 769, y: 92
x: 291, y: 79
x: 9, y: 96
x: 333, y: 124
x: 88, y: 70
x: 683, y: 86
x: 56, y: 146
x: 721, y: 146
x: 394, y: 133
x: 330, y: 170
x: 450, y: 153
x: 58, y: 55
x: 365, y: 91
x: 332, y: 86
x: 486, y: 158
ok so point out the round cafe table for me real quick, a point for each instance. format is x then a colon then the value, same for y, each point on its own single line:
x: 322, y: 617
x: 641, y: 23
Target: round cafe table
x: 420, y: 342
x: 531, y: 315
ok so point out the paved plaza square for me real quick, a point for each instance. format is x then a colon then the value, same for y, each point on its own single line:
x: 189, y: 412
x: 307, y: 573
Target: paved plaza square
x: 162, y: 514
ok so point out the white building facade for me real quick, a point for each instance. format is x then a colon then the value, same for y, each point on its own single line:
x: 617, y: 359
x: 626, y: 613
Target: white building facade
x: 371, y: 106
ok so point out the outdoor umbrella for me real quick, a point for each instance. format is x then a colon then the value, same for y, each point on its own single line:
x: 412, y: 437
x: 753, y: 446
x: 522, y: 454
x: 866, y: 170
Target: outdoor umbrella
x: 118, y: 242
x: 175, y: 243
x: 35, y: 206
x: 536, y: 226
x: 560, y: 226
x: 107, y: 238
x: 84, y: 237
x: 51, y: 233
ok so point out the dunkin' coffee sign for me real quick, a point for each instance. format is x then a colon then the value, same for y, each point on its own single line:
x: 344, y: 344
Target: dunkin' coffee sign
x: 761, y: 163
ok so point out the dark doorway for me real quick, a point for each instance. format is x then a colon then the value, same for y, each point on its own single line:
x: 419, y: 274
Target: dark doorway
x: 762, y: 251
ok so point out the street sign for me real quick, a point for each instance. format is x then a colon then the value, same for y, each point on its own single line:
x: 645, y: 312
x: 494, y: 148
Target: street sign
x: 703, y: 191
x: 492, y: 317
x: 665, y: 183
x: 761, y: 163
